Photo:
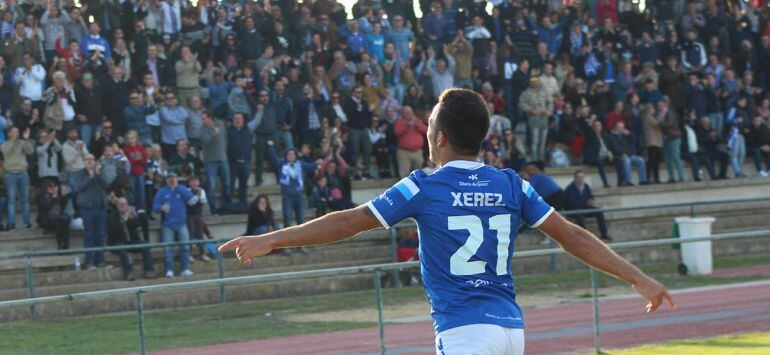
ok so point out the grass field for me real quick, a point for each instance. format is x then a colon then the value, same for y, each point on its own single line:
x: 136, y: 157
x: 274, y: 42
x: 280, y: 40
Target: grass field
x: 743, y: 344
x: 221, y: 323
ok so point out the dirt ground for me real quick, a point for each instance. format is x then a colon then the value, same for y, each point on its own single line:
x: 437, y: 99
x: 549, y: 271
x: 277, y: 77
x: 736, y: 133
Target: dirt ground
x: 421, y: 308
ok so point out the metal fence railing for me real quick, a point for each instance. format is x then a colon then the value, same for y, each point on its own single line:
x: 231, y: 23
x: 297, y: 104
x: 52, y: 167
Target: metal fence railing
x: 377, y: 270
x: 30, y: 270
x: 393, y: 236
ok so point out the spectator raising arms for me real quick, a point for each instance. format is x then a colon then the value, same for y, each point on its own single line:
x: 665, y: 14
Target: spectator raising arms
x: 291, y: 176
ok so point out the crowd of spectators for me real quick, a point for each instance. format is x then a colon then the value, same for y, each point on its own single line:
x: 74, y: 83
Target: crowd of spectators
x: 128, y: 109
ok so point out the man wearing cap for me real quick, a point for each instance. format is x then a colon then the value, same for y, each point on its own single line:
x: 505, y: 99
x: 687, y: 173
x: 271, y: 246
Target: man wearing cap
x: 171, y: 202
x: 537, y: 103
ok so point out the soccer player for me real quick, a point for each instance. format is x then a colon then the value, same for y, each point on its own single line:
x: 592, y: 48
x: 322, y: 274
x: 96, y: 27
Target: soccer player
x: 467, y: 214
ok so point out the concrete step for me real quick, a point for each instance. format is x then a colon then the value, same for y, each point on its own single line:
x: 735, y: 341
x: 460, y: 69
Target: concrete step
x: 66, y: 275
x: 14, y: 264
x: 564, y: 175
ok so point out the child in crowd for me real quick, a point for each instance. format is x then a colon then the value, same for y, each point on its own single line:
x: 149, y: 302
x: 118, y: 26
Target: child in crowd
x: 320, y: 198
x: 195, y: 216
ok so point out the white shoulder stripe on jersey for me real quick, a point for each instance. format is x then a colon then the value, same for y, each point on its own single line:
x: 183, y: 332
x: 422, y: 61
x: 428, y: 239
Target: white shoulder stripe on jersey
x: 377, y: 214
x: 526, y: 188
x: 542, y: 219
x: 410, y: 185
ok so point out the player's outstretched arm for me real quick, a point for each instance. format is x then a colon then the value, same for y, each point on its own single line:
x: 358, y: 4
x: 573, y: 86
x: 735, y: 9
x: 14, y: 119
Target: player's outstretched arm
x: 587, y: 247
x: 324, y: 230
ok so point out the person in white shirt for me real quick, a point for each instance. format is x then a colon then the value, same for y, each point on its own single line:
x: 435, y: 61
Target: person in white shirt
x: 30, y: 77
x: 477, y: 30
x: 441, y: 71
x: 337, y: 107
x: 62, y: 92
x: 171, y: 16
x: 497, y: 124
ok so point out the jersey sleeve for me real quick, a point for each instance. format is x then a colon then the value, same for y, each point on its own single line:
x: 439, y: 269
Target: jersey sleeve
x: 534, y: 210
x: 397, y: 203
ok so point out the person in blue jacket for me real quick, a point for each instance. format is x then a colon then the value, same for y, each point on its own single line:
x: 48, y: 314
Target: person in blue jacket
x: 291, y: 173
x: 171, y: 202
x: 544, y: 184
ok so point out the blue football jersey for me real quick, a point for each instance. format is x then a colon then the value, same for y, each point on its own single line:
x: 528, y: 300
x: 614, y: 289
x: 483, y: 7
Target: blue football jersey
x: 467, y: 216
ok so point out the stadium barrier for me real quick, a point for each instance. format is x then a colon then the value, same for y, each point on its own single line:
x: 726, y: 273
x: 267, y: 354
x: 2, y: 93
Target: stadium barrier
x: 376, y: 269
x: 30, y: 271
x: 393, y: 236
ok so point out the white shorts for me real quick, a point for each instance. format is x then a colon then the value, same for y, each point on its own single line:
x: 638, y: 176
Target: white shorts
x: 482, y: 339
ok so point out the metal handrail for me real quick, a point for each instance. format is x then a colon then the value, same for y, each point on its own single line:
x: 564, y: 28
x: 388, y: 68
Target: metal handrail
x: 52, y: 252
x: 377, y: 269
x: 356, y: 270
x: 666, y: 205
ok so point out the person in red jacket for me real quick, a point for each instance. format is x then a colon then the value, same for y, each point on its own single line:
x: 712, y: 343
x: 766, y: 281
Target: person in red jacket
x: 616, y: 115
x: 410, y: 136
x: 489, y: 95
x: 607, y: 9
x: 137, y: 157
x: 73, y: 56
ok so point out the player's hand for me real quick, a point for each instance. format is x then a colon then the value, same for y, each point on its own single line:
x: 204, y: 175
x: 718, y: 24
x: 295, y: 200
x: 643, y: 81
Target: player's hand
x: 247, y: 248
x: 654, y: 292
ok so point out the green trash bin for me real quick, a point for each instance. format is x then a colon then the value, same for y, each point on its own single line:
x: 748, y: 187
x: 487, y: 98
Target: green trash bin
x: 675, y: 234
x: 681, y: 269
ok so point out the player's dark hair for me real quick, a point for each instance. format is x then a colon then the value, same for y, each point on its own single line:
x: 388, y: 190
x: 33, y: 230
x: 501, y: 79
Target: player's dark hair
x: 538, y: 164
x: 464, y: 119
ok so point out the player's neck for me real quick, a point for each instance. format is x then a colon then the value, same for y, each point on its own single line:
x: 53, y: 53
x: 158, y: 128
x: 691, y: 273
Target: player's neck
x: 452, y: 157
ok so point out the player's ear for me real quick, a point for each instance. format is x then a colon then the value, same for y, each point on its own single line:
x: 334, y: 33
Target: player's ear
x: 442, y: 140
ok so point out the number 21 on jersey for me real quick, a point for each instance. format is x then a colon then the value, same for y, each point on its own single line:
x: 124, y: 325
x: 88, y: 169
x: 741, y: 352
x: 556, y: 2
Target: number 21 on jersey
x: 460, y: 264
